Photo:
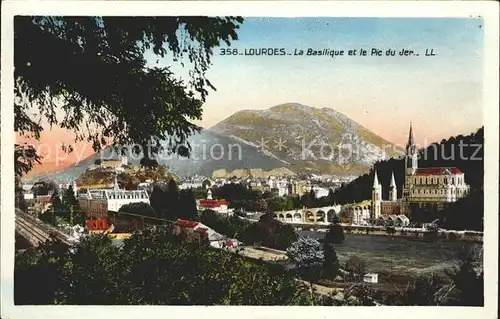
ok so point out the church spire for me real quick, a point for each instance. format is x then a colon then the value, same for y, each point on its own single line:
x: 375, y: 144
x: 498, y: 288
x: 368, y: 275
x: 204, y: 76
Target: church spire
x: 375, y: 180
x: 411, y: 154
x: 392, y: 189
x: 411, y: 141
x: 393, y: 180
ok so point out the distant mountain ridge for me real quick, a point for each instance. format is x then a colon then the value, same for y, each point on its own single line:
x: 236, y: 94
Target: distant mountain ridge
x: 307, y: 138
x: 290, y: 136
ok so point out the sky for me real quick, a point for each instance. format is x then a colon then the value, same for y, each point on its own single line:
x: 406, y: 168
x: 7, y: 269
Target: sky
x: 441, y: 95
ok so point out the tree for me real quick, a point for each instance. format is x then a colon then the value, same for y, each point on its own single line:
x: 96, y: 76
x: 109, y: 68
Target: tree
x: 335, y: 233
x: 149, y: 162
x: 55, y: 57
x: 187, y: 205
x: 331, y: 263
x: 151, y: 268
x: 307, y: 254
x: 172, y: 200
x: 331, y: 196
x: 289, y: 203
x: 157, y: 200
x: 25, y: 156
x: 355, y: 266
x: 19, y: 194
x: 139, y: 208
x: 468, y: 279
x: 57, y: 211
x: 75, y: 214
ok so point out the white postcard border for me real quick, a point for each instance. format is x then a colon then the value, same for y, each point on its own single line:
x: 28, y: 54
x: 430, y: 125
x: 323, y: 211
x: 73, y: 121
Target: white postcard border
x: 487, y: 9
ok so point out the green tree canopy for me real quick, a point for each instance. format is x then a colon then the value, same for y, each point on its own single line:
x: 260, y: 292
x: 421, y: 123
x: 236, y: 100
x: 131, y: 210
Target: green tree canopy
x: 335, y: 233
x: 331, y: 263
x: 151, y: 268
x: 94, y: 70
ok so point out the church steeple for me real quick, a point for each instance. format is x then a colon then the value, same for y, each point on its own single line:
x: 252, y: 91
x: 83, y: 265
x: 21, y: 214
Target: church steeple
x: 375, y: 181
x: 393, y: 189
x: 393, y: 180
x: 376, y: 197
x: 411, y: 156
x: 410, y: 145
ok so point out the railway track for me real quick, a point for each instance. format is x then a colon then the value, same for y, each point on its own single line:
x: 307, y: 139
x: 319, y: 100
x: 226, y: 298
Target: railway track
x: 35, y: 230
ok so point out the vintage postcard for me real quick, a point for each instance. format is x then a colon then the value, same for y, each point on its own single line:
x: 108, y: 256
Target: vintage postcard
x: 249, y: 154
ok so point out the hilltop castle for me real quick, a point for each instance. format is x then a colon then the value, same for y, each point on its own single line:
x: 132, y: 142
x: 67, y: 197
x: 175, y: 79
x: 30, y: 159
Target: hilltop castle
x: 422, y: 186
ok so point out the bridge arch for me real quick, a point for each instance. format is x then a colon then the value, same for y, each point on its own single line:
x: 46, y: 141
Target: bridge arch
x: 289, y: 217
x: 310, y: 216
x: 331, y: 214
x: 320, y: 216
x: 297, y: 217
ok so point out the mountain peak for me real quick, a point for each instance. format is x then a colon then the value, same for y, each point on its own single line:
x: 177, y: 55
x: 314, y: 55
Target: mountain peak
x: 290, y: 106
x: 286, y: 128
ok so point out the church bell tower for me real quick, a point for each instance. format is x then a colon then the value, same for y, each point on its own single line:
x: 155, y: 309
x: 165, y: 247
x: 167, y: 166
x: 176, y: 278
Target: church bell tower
x: 411, y: 156
x: 376, y: 197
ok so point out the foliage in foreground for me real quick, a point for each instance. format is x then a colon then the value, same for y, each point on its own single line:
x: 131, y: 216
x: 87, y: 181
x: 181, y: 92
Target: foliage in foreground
x: 308, y: 256
x: 55, y: 54
x: 152, y: 268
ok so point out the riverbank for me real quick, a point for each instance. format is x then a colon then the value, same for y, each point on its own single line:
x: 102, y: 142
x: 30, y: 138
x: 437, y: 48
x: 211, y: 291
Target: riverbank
x: 414, y: 233
x: 419, y: 235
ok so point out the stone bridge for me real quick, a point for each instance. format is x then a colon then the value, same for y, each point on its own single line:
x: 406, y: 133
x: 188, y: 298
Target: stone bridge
x: 309, y: 215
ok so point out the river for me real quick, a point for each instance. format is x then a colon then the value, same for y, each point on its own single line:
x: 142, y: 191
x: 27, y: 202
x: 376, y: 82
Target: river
x: 399, y: 256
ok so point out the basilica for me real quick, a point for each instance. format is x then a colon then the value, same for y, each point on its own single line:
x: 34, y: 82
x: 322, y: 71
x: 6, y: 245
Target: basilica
x: 422, y: 186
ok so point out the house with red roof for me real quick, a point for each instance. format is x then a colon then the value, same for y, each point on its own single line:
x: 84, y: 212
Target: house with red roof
x: 218, y: 205
x: 191, y: 232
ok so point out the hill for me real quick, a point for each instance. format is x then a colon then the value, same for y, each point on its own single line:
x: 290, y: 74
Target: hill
x: 308, y: 139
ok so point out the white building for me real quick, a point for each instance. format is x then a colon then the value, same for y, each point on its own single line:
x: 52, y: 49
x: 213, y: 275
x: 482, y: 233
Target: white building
x: 220, y: 206
x: 371, y: 278
x: 319, y: 191
x: 432, y: 185
x: 190, y: 185
x: 98, y: 202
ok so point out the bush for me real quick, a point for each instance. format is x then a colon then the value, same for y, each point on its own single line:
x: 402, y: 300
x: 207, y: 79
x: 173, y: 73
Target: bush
x: 334, y: 234
x: 331, y: 263
x: 147, y: 271
x: 355, y: 266
x: 307, y: 254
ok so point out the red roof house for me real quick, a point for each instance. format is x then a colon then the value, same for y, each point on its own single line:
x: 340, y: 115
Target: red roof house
x: 186, y: 223
x: 213, y: 203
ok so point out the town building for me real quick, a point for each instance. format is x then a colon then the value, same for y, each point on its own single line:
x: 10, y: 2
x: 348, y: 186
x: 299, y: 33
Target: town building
x: 371, y: 278
x: 96, y: 203
x: 422, y: 186
x: 218, y: 205
x: 191, y: 232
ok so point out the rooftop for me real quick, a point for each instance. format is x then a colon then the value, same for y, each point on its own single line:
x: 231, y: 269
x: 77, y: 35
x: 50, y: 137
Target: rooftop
x: 438, y: 171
